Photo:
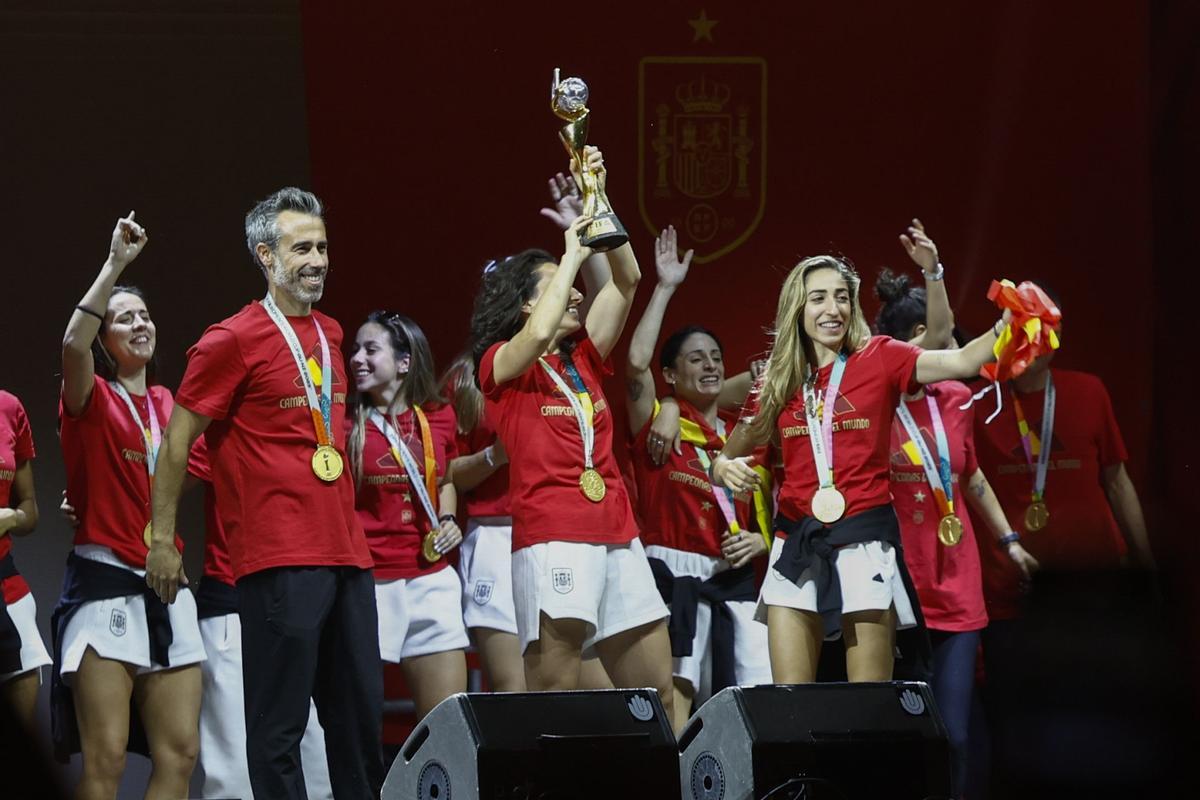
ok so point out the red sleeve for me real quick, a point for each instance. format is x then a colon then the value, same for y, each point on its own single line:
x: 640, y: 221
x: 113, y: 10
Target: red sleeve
x: 23, y: 446
x: 199, y: 466
x: 215, y: 370
x: 1110, y: 445
x: 587, y: 349
x: 487, y: 365
x: 96, y: 404
x: 900, y: 363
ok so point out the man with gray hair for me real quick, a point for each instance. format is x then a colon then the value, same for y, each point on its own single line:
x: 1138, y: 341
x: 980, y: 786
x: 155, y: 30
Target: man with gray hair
x: 269, y: 386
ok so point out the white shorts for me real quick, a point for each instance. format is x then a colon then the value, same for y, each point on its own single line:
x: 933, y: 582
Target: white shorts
x: 223, y: 768
x: 33, y: 650
x: 116, y: 628
x: 869, y: 576
x: 485, y: 564
x: 419, y: 616
x: 751, y: 659
x: 610, y: 587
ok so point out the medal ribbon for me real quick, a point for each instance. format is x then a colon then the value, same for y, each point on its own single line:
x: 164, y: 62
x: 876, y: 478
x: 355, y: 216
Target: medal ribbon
x: 820, y: 422
x: 424, y: 485
x: 321, y: 407
x: 151, y: 436
x: 581, y: 403
x: 1034, y: 447
x: 937, y: 472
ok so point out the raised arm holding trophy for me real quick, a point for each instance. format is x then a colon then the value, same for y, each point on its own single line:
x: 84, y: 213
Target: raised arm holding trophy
x: 568, y: 100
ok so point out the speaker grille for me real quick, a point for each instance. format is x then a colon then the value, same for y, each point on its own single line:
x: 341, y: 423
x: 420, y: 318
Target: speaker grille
x: 433, y: 783
x: 708, y: 779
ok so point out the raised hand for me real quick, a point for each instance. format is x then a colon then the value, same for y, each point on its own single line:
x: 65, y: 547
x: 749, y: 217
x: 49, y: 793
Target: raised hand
x: 567, y: 199
x: 594, y: 163
x: 671, y: 271
x: 128, y: 239
x: 574, y: 248
x: 920, y: 247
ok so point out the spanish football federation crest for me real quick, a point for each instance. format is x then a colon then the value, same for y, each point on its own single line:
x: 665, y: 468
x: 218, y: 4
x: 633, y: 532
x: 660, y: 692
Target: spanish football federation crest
x: 702, y: 149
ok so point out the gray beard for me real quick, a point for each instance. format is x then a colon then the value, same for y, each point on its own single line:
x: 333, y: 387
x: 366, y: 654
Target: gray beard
x: 291, y: 284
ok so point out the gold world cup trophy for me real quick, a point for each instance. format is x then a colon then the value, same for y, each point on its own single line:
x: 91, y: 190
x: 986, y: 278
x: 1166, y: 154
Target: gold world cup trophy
x: 568, y: 100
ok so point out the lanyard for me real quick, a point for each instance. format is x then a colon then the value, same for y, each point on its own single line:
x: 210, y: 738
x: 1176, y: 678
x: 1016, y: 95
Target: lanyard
x: 426, y: 489
x: 152, y: 435
x: 820, y: 421
x: 722, y: 494
x: 321, y: 407
x: 581, y: 403
x: 1037, y: 448
x: 937, y: 472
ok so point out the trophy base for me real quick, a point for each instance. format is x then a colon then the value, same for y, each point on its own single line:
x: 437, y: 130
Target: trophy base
x: 604, y: 233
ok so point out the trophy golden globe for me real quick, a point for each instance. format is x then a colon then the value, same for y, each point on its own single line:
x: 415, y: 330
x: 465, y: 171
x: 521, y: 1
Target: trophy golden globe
x: 568, y: 100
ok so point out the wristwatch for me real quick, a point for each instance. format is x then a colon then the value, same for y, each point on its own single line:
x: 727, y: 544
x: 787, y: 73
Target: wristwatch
x: 1012, y: 537
x: 935, y: 276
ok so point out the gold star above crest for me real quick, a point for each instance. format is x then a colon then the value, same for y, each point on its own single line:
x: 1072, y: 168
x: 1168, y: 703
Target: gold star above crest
x: 702, y: 26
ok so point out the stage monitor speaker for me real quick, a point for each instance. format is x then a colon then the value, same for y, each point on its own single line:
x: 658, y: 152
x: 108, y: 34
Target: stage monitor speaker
x: 614, y: 744
x: 818, y: 741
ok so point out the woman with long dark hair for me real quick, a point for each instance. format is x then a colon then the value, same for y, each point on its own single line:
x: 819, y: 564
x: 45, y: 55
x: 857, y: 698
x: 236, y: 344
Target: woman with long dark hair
x: 827, y: 398
x: 400, y: 441
x: 934, y: 478
x: 114, y: 639
x: 580, y: 575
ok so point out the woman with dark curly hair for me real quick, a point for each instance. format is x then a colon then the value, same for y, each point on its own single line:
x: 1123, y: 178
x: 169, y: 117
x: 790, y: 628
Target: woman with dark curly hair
x: 580, y: 575
x: 400, y: 440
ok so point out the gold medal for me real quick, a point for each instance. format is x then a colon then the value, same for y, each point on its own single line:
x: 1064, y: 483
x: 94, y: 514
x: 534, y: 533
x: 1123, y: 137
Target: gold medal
x: 950, y: 530
x: 592, y: 485
x: 1036, y: 516
x: 327, y: 463
x: 427, y: 549
x: 146, y: 534
x: 828, y: 504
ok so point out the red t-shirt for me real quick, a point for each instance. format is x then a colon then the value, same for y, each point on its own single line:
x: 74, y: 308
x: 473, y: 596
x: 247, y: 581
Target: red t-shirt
x: 275, y: 511
x: 16, y: 447
x: 947, y: 579
x: 490, y: 497
x: 1082, y: 532
x: 390, y: 511
x: 216, y: 544
x: 675, y: 499
x: 538, y: 427
x: 107, y: 478
x: 874, y: 379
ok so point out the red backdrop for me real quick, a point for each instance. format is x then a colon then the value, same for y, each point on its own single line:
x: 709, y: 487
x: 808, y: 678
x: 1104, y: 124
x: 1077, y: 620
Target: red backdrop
x: 1018, y: 131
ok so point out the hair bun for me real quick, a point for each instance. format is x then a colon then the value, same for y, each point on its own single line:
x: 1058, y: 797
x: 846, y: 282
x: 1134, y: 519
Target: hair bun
x: 890, y: 287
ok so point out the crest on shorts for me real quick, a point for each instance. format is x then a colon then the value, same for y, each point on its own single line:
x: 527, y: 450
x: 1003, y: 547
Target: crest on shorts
x: 116, y: 623
x: 702, y: 149
x: 563, y: 580
x: 483, y: 592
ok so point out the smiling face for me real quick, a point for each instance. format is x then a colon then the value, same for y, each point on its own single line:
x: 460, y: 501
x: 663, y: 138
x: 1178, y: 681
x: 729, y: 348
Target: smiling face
x: 570, y: 318
x: 300, y: 262
x: 827, y: 308
x: 699, y: 371
x: 129, y: 333
x: 374, y: 364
